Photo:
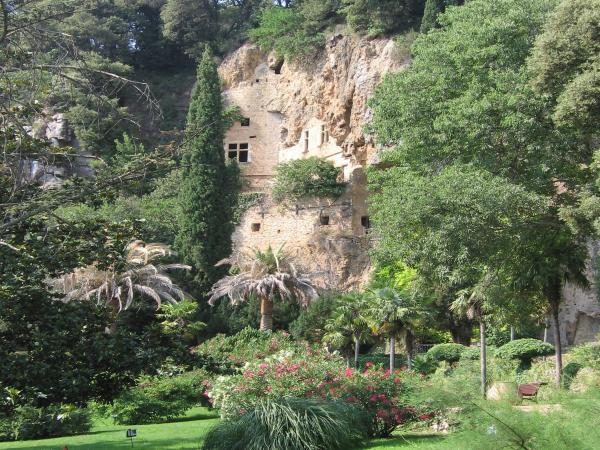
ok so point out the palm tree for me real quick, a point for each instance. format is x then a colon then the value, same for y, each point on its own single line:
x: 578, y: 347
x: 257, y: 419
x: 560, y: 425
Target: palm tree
x: 350, y: 323
x: 268, y: 275
x: 140, y: 276
x: 472, y: 305
x: 392, y: 313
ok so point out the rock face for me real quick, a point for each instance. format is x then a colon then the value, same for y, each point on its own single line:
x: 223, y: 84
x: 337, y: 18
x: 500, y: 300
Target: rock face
x: 297, y: 111
x: 334, y: 89
x: 580, y: 311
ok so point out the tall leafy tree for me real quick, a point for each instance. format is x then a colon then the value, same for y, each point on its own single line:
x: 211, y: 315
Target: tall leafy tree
x: 566, y: 63
x: 208, y: 186
x: 475, y: 186
x: 433, y: 8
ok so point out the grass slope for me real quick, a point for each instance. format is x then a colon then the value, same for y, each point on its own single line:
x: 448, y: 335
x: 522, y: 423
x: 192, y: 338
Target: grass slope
x: 186, y: 434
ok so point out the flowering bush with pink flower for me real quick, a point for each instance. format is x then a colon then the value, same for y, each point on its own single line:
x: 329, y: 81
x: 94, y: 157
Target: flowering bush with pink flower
x: 315, y: 374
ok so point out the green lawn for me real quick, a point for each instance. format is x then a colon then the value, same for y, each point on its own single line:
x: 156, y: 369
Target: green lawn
x: 185, y: 434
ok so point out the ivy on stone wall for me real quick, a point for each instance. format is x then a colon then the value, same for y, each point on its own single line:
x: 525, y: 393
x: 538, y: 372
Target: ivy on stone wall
x: 311, y: 177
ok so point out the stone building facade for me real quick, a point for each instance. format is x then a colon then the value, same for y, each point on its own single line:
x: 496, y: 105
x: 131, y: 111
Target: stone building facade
x: 295, y: 112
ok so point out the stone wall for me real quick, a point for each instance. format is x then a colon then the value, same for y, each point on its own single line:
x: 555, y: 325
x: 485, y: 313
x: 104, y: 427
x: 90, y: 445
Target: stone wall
x: 297, y: 112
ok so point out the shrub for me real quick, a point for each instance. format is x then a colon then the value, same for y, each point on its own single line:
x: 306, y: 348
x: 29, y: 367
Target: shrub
x: 446, y: 352
x: 311, y: 177
x: 588, y: 355
x: 314, y: 374
x: 29, y: 422
x: 525, y: 350
x: 283, y: 30
x: 381, y: 360
x: 423, y: 364
x: 585, y: 379
x: 157, y: 398
x: 250, y: 344
x: 381, y: 16
x: 291, y: 424
x: 310, y: 324
x: 474, y: 353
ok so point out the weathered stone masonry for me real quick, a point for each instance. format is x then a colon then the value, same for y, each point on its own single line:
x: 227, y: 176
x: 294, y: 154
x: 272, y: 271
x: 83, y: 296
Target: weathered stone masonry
x: 296, y: 112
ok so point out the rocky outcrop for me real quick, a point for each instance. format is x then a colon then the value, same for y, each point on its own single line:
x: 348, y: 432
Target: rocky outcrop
x: 294, y: 111
x: 334, y: 88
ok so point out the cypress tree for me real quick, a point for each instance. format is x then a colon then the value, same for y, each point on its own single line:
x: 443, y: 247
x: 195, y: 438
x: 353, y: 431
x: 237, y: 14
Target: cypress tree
x: 209, y: 186
x: 432, y: 9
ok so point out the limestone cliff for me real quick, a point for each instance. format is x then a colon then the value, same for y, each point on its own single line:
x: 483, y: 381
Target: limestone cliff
x: 334, y: 88
x: 296, y: 111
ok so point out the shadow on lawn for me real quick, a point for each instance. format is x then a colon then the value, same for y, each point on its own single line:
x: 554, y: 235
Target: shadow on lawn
x: 406, y: 440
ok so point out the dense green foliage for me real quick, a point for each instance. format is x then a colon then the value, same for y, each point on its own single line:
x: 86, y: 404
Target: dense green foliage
x: 446, y: 352
x: 382, y: 16
x: 469, y: 189
x: 160, y: 398
x: 587, y: 355
x: 247, y: 345
x: 287, y: 32
x: 29, y: 422
x: 433, y: 8
x: 208, y: 189
x: 294, y: 424
x: 565, y: 63
x: 525, y: 350
x: 311, y: 177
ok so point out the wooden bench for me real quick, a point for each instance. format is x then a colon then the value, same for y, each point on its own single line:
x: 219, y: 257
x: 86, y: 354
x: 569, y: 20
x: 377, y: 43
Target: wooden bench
x: 529, y: 390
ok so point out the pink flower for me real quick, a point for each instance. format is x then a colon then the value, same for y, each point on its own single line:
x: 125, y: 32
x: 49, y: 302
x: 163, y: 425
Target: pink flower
x: 374, y: 397
x: 381, y: 396
x: 349, y: 372
x: 396, y: 380
x: 351, y: 399
x: 263, y: 366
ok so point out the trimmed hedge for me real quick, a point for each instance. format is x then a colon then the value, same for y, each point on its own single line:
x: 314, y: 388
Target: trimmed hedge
x: 450, y: 353
x: 525, y: 350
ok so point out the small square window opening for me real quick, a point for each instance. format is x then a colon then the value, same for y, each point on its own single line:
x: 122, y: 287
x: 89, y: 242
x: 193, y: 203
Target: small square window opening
x: 245, y: 121
x: 243, y: 156
x: 324, y: 220
x: 255, y: 227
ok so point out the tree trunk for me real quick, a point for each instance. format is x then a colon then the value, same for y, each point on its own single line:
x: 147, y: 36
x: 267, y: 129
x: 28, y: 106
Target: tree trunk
x: 483, y: 356
x: 392, y: 353
x: 554, y: 297
x: 557, y: 345
x: 408, y: 343
x: 512, y: 333
x: 266, y: 314
x: 356, y: 350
